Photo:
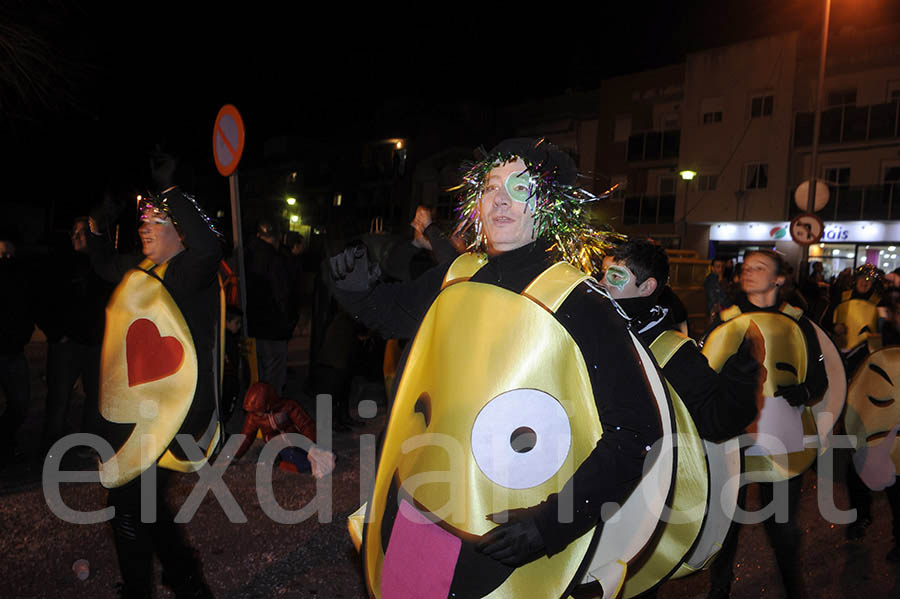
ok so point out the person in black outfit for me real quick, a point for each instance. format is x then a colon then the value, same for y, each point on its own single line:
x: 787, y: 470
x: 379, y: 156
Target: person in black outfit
x: 16, y: 327
x: 73, y: 319
x: 721, y: 404
x: 272, y: 283
x: 762, y: 277
x: 176, y: 234
x: 515, y: 258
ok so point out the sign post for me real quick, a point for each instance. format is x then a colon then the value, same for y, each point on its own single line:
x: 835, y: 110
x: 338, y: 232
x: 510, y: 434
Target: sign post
x: 228, y: 145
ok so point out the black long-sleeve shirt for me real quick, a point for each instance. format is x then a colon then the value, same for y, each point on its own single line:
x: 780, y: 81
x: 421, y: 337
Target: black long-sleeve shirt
x: 722, y: 404
x: 622, y: 395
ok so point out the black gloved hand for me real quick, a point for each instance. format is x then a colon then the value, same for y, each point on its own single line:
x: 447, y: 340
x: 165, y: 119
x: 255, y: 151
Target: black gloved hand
x: 743, y: 364
x: 795, y: 395
x: 514, y: 543
x: 351, y: 269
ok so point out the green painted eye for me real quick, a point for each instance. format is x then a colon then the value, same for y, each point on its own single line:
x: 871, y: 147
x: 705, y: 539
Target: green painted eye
x: 518, y: 187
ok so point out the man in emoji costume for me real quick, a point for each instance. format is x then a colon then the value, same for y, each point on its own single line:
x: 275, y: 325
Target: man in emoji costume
x: 708, y: 406
x: 855, y: 318
x: 784, y: 434
x: 873, y: 417
x: 159, y: 365
x: 522, y: 417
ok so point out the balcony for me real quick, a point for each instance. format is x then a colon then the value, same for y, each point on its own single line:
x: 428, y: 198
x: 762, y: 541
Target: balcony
x: 653, y: 145
x: 858, y: 202
x: 850, y: 124
x: 649, y: 210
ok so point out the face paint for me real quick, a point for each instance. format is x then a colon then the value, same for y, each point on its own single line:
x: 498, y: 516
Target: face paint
x: 155, y: 216
x: 617, y: 277
x: 519, y: 188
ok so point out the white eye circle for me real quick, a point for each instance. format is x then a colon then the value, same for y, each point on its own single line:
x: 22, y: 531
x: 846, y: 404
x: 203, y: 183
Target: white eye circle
x: 521, y: 438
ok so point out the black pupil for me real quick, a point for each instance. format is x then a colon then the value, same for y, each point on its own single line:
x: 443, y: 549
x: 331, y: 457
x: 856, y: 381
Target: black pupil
x: 523, y: 439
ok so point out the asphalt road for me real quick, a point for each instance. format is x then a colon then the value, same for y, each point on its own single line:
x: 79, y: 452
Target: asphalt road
x: 312, y: 559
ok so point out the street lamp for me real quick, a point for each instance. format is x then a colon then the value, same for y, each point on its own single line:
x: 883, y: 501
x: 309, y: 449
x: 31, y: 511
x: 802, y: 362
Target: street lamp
x: 291, y: 201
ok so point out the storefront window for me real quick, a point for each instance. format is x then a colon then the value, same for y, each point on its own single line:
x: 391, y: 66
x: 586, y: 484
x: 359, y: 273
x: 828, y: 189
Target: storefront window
x: 836, y: 257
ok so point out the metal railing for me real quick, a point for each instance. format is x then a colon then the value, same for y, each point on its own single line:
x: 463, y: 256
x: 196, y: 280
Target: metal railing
x: 654, y: 145
x: 858, y: 202
x: 850, y: 124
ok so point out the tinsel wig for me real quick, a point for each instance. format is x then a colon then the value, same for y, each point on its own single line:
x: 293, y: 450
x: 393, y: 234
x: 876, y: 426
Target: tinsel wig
x: 558, y: 204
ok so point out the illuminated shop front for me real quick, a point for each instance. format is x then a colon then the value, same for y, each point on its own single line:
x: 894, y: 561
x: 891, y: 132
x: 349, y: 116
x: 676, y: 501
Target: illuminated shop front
x: 844, y: 244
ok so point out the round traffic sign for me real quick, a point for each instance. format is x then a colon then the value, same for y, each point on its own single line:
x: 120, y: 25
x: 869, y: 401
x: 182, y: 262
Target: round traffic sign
x: 807, y: 228
x: 801, y: 195
x: 228, y: 139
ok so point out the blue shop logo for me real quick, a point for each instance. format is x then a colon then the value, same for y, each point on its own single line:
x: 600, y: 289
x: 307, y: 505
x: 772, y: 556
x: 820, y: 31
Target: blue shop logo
x: 835, y: 233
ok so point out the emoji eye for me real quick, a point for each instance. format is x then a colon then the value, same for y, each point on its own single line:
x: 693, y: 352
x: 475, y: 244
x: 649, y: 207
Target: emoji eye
x: 521, y: 438
x: 881, y: 403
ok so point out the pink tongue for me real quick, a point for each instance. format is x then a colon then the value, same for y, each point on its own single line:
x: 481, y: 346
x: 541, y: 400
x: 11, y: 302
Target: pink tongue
x: 420, y: 559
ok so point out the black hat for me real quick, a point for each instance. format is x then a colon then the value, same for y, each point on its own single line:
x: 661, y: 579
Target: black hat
x: 540, y: 156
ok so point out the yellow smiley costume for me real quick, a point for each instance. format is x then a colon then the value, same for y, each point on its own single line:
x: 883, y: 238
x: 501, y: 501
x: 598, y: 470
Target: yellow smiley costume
x: 786, y: 439
x: 873, y: 413
x: 477, y: 428
x: 149, y: 376
x: 691, y: 493
x: 860, y: 316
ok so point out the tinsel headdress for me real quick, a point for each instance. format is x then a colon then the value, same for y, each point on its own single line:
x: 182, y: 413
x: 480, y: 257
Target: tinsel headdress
x: 560, y: 213
x: 159, y: 204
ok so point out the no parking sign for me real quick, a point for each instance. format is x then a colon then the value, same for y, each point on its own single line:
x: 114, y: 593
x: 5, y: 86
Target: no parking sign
x: 228, y: 139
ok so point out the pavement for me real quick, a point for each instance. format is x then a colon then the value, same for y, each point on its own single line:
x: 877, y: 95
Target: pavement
x: 248, y: 553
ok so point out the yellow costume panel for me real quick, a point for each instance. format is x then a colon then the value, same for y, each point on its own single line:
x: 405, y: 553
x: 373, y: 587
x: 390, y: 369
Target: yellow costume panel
x: 785, y: 439
x: 873, y: 416
x: 148, y: 375
x: 477, y: 428
x: 861, y: 319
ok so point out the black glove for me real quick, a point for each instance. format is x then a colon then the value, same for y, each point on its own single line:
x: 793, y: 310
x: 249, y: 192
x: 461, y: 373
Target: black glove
x: 514, y: 543
x: 795, y: 395
x: 351, y: 270
x: 742, y: 365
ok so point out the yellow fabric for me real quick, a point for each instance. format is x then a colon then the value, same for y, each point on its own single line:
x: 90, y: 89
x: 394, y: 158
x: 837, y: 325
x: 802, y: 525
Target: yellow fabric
x: 355, y: 523
x: 452, y: 366
x: 463, y: 268
x: 786, y: 344
x: 865, y: 418
x: 554, y: 285
x: 689, y: 498
x: 157, y: 408
x: 856, y: 314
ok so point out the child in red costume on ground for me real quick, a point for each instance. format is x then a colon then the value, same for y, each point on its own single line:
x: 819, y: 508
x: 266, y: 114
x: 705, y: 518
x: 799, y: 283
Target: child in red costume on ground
x: 274, y: 416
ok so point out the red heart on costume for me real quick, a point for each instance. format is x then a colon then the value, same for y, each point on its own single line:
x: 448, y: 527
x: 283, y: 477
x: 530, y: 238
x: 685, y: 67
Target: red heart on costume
x: 149, y: 356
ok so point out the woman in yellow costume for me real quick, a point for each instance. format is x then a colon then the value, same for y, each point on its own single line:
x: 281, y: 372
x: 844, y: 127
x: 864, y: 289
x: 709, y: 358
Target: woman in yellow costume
x: 158, y: 365
x: 494, y: 471
x: 794, y: 378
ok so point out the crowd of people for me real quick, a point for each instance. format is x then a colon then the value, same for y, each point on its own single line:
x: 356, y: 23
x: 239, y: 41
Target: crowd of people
x: 487, y: 334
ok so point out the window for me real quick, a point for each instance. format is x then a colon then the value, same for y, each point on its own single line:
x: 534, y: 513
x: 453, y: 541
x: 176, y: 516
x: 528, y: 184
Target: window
x: 761, y: 106
x: 893, y: 90
x: 622, y: 127
x: 841, y: 97
x: 619, y: 192
x: 707, y: 182
x: 756, y: 176
x: 710, y: 110
x: 837, y: 175
x: 666, y: 185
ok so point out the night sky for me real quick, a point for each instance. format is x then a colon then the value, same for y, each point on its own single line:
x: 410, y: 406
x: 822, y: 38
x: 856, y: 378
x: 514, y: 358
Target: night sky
x: 113, y: 79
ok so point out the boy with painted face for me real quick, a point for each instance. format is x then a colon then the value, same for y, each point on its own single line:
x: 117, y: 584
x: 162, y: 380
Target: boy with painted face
x: 721, y: 404
x: 487, y: 330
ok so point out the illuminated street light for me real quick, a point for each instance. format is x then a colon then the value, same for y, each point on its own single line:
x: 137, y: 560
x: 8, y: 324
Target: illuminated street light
x: 295, y: 218
x: 688, y: 175
x: 291, y: 201
x: 399, y: 145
